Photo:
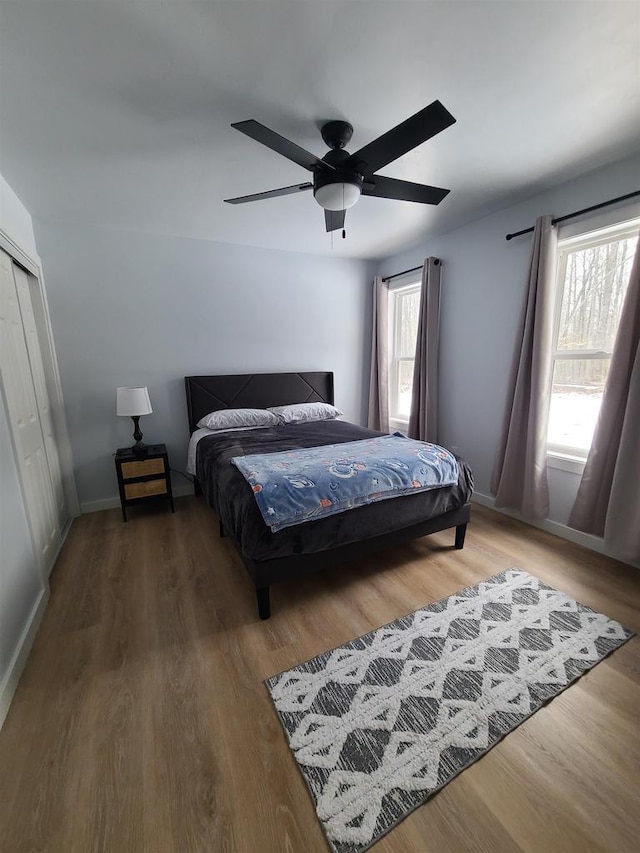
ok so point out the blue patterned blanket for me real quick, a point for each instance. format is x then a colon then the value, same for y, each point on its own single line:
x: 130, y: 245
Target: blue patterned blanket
x: 305, y: 485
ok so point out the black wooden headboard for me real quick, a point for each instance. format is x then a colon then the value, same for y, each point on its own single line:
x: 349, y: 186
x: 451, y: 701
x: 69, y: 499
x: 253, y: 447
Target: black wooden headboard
x: 254, y: 390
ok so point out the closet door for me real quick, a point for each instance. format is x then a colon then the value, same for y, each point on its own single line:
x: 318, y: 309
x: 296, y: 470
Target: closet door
x: 24, y: 418
x: 40, y: 387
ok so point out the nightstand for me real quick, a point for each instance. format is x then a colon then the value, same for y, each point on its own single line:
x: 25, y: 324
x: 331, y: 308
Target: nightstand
x: 143, y: 478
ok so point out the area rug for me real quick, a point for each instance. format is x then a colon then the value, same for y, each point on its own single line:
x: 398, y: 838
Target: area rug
x: 380, y: 724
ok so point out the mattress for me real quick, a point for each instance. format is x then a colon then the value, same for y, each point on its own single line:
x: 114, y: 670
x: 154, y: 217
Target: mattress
x: 229, y: 494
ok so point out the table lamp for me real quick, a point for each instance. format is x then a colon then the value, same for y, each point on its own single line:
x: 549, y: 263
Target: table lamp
x: 134, y: 402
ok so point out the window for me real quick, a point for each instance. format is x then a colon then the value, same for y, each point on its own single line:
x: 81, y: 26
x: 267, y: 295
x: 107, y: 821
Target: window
x: 592, y: 278
x: 404, y: 308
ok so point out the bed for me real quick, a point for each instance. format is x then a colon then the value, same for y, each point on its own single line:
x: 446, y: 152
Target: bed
x: 272, y: 557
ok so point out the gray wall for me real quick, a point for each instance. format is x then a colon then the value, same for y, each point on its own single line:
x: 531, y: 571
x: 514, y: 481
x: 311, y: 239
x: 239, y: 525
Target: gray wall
x: 16, y: 220
x: 483, y: 284
x: 128, y: 308
x: 21, y: 584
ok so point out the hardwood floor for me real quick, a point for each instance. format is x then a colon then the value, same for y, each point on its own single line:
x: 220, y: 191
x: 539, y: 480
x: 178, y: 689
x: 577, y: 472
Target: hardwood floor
x: 141, y: 722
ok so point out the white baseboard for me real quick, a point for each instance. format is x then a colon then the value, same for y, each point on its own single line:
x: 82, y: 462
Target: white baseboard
x: 180, y: 491
x: 19, y: 659
x: 594, y: 543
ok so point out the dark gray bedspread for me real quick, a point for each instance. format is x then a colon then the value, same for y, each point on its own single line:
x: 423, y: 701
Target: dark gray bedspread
x: 229, y: 494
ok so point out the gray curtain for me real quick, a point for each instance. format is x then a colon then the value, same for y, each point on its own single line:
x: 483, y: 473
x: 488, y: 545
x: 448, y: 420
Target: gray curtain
x: 608, y: 500
x: 423, y: 418
x: 379, y: 382
x: 519, y: 477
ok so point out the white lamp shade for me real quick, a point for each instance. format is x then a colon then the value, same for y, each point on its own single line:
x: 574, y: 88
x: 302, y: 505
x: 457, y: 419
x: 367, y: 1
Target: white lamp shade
x: 133, y: 401
x: 337, y: 196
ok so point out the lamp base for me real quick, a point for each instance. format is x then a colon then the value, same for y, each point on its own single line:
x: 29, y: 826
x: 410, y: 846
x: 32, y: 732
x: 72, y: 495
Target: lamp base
x: 138, y: 448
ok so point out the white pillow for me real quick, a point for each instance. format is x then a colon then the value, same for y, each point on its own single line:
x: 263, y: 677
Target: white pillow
x: 302, y: 412
x: 238, y: 418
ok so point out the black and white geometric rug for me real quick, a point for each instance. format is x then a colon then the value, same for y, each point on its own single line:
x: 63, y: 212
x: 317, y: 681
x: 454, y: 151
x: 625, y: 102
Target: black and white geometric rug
x: 380, y: 724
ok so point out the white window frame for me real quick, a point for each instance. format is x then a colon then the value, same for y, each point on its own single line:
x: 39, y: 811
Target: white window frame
x: 413, y: 285
x: 562, y: 456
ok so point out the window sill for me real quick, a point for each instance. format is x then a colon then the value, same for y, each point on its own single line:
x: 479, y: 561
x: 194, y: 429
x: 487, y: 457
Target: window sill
x: 395, y: 423
x: 565, y: 462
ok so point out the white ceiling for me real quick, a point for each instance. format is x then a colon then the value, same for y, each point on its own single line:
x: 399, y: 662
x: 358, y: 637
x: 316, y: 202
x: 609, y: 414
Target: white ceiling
x: 118, y: 114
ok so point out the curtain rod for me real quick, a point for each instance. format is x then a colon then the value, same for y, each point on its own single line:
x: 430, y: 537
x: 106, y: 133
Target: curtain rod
x: 577, y: 213
x: 405, y: 272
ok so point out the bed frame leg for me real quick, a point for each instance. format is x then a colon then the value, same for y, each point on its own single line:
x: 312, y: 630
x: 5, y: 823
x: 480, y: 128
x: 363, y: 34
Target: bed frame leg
x: 221, y: 531
x: 197, y: 491
x: 461, y: 529
x: 264, y: 605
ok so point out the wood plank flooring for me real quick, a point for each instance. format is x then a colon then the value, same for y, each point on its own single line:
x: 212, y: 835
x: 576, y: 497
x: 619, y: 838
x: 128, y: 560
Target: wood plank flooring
x: 141, y: 722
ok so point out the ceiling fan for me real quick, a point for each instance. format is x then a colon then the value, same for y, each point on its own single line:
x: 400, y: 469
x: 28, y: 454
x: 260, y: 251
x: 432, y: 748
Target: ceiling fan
x: 340, y: 178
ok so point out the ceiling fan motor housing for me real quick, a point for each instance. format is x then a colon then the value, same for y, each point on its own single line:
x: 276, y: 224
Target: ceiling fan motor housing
x: 342, y: 197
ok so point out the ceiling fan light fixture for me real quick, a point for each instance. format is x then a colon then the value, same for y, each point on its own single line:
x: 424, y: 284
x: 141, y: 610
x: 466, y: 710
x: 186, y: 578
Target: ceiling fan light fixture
x: 337, y: 196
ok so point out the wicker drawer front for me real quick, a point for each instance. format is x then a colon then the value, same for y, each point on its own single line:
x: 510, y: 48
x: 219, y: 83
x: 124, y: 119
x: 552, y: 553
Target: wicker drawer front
x: 143, y: 490
x: 142, y: 468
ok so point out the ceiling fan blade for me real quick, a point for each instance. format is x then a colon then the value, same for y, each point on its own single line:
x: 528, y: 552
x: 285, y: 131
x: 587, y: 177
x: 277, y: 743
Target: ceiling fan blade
x: 403, y: 190
x: 280, y: 145
x: 270, y: 194
x: 334, y: 219
x: 402, y: 138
